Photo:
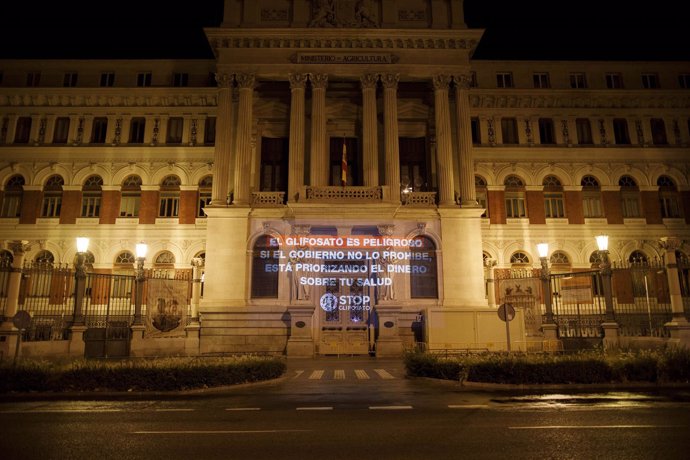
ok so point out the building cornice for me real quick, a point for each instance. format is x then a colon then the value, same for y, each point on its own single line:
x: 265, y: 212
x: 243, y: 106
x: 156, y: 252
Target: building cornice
x: 108, y: 97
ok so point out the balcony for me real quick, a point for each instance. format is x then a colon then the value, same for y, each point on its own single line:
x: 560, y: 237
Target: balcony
x: 347, y: 194
x: 267, y: 199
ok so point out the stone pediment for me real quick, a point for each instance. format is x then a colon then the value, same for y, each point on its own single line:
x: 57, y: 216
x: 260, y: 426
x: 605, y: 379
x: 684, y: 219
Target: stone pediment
x: 412, y: 110
x: 270, y: 109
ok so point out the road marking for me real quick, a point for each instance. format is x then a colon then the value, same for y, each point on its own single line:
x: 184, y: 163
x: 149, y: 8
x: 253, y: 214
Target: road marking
x: 468, y: 406
x: 220, y: 432
x: 383, y: 374
x: 298, y: 373
x: 316, y: 375
x: 174, y: 410
x: 339, y: 374
x: 389, y: 407
x: 590, y: 427
x: 242, y: 408
x: 316, y: 408
x: 361, y: 374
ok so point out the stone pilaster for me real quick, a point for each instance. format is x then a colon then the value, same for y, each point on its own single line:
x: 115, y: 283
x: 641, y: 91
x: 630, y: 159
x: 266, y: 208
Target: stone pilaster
x: 468, y: 195
x: 369, y: 130
x: 679, y: 327
x: 296, y: 160
x: 222, y: 155
x: 243, y: 151
x: 444, y: 146
x: 390, y: 127
x: 319, y: 149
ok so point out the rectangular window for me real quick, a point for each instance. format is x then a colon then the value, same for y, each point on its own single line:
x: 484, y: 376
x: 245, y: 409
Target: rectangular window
x: 174, y: 135
x: 70, y: 80
x: 684, y: 80
x: 51, y: 206
x: 509, y: 130
x: 107, y: 79
x: 591, y: 204
x: 180, y: 79
x: 670, y: 207
x: 658, y: 131
x: 630, y: 204
x: 99, y: 130
x: 476, y: 131
x: 136, y: 130
x: 541, y: 80
x: 33, y: 78
x: 210, y: 131
x: 11, y: 205
x: 169, y: 204
x: 650, y: 81
x: 144, y: 79
x: 614, y: 81
x: 90, y: 206
x: 584, y: 131
x: 504, y: 80
x: 621, y: 134
x: 578, y: 80
x: 21, y: 135
x: 204, y: 200
x: 129, y: 205
x: 61, y: 132
x: 515, y: 205
x: 553, y: 205
x: 546, y: 131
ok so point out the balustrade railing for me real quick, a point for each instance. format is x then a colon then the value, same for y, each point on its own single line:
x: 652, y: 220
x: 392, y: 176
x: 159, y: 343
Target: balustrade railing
x: 344, y: 194
x: 267, y: 199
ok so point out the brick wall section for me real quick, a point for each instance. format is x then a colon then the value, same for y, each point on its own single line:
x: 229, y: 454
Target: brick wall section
x: 188, y: 199
x: 573, y: 207
x: 497, y: 206
x: 535, y: 207
x: 31, y: 206
x: 685, y: 197
x: 651, y: 207
x: 612, y: 207
x: 148, y: 207
x: 110, y: 206
x: 71, y: 206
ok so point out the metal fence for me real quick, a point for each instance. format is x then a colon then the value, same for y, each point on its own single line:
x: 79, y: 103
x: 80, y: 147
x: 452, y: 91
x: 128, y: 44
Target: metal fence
x: 5, y: 271
x: 578, y: 304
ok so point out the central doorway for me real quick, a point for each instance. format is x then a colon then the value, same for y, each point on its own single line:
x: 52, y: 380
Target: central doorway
x: 346, y: 328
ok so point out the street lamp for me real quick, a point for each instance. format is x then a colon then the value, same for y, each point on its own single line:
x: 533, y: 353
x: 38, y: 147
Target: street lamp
x: 80, y: 279
x: 141, y: 250
x: 605, y: 268
x: 543, y: 250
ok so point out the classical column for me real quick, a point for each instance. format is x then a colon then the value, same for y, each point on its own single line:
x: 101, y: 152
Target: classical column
x: 369, y: 130
x: 320, y: 154
x: 296, y: 155
x: 243, y: 151
x: 223, y: 151
x: 444, y: 155
x: 678, y: 327
x: 468, y: 193
x: 390, y: 128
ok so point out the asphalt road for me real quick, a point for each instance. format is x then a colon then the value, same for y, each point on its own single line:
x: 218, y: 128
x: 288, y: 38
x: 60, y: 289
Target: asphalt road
x: 350, y: 409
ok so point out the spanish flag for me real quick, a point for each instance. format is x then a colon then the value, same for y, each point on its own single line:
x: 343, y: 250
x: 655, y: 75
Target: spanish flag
x: 343, y: 166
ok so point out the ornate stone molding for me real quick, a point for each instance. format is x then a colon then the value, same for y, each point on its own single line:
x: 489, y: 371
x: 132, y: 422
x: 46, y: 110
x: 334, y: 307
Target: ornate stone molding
x: 318, y: 80
x: 369, y: 81
x: 390, y: 80
x: 245, y: 80
x: 670, y: 243
x: 463, y: 81
x: 441, y: 82
x: 224, y: 80
x: 386, y: 230
x: 558, y: 99
x: 342, y: 13
x: 126, y: 97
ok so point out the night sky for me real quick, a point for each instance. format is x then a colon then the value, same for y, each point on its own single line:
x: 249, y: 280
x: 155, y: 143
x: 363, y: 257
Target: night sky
x: 539, y: 29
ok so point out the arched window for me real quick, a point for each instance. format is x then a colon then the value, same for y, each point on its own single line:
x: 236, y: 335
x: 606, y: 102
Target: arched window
x: 164, y: 259
x: 638, y: 257
x: 559, y: 258
x: 91, y: 197
x: 630, y: 197
x: 170, y: 197
x: 264, y: 268
x: 554, y: 205
x: 519, y: 258
x: 668, y: 198
x: 482, y: 194
x: 44, y: 257
x: 12, y: 197
x: 52, y: 197
x: 423, y: 271
x: 131, y: 196
x: 125, y: 258
x: 205, y: 189
x: 591, y: 197
x: 515, y: 197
